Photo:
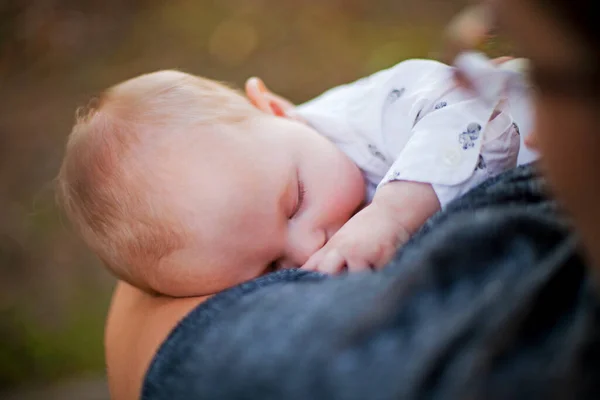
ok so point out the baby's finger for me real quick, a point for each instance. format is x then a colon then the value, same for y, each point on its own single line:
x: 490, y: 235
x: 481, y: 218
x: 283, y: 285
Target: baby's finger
x: 313, y: 262
x: 332, y: 263
x: 354, y: 266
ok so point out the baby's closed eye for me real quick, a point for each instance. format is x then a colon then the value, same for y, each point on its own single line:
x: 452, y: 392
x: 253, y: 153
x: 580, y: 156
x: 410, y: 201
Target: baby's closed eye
x: 301, y: 191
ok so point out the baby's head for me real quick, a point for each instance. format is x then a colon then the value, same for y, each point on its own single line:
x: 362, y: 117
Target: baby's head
x: 183, y: 187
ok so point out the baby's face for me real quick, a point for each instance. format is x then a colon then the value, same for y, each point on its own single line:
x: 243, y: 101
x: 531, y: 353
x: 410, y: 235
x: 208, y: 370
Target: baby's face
x: 259, y: 197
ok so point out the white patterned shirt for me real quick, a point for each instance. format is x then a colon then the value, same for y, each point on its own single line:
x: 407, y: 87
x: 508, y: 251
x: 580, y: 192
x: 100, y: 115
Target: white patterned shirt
x: 411, y: 122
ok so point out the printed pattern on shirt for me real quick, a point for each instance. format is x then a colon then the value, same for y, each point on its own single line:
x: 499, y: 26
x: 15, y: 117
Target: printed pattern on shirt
x: 441, y: 105
x: 395, y: 95
x: 468, y: 138
x: 376, y: 153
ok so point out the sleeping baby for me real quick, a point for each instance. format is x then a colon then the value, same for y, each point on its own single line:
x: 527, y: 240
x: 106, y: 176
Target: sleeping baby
x: 183, y: 186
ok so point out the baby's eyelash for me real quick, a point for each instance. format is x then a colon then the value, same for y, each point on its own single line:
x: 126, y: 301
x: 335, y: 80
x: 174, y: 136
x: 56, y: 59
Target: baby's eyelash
x: 301, y: 193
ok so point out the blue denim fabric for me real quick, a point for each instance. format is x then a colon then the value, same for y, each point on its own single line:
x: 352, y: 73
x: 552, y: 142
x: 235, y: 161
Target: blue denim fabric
x: 490, y: 300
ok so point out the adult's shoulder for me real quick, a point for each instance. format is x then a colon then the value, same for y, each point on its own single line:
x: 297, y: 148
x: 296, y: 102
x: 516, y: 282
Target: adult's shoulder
x: 136, y: 325
x: 139, y: 325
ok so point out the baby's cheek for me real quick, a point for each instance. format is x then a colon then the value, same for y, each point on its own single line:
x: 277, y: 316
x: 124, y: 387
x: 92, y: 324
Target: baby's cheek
x: 356, y: 195
x: 345, y: 203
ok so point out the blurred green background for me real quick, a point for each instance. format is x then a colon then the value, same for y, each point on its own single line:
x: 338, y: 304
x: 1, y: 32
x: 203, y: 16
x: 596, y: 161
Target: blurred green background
x: 55, y: 54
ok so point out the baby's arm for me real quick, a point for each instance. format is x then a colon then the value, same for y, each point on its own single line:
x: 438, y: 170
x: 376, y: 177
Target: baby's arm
x: 455, y: 147
x: 370, y: 238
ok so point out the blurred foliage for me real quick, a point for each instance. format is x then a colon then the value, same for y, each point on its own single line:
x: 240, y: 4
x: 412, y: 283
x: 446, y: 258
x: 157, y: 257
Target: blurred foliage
x: 32, y: 350
x: 55, y: 54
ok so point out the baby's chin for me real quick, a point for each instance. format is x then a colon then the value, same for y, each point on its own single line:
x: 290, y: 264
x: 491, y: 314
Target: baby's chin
x: 176, y: 281
x: 197, y: 282
x: 187, y: 289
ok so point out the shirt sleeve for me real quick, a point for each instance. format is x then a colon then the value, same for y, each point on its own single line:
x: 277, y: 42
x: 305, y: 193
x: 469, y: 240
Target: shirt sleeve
x: 353, y: 116
x: 356, y: 108
x: 456, y: 144
x: 497, y: 155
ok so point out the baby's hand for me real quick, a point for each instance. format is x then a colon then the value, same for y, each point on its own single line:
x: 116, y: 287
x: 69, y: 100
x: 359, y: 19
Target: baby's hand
x: 368, y: 240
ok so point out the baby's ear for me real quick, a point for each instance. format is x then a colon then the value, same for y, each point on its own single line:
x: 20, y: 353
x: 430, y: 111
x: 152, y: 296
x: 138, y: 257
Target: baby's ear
x: 266, y: 101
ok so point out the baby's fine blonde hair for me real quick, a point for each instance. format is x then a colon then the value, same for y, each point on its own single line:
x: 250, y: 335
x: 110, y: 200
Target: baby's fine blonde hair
x: 104, y: 191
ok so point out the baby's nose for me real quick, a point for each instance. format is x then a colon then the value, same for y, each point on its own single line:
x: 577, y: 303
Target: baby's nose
x: 301, y: 246
x: 332, y: 230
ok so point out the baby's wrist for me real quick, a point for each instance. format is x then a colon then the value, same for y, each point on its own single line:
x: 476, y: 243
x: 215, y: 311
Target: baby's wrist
x: 390, y: 217
x: 388, y: 199
x: 408, y: 204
